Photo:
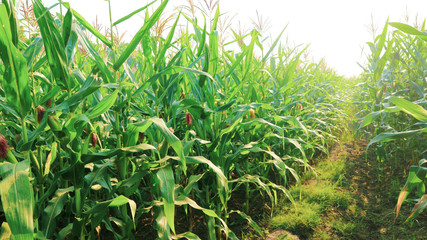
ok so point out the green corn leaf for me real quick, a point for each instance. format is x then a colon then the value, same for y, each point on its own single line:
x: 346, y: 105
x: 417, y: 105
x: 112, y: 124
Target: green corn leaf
x: 251, y: 222
x: 238, y: 38
x: 35, y: 134
x: 167, y: 70
x: 76, y: 98
x: 409, y: 30
x: 101, y: 207
x: 249, y: 51
x: 62, y: 235
x: 139, y: 35
x: 129, y: 185
x: 381, y: 42
x: 208, y: 212
x: 5, y: 233
x: 167, y: 44
x: 369, y: 119
x: 416, y: 176
x: 413, y: 109
x: 215, y: 19
x: 13, y: 20
x: 17, y: 199
x: 167, y: 190
x: 295, y: 142
x: 54, y: 45
x: 49, y: 95
x: 15, y: 80
x: 53, y: 209
x: 202, y: 41
x: 161, y: 224
x: 390, y: 136
x: 132, y: 13
x: 50, y: 158
x: 213, y: 53
x: 264, y: 59
x: 262, y: 121
x: 225, y: 107
x: 70, y: 47
x: 217, y: 170
x: 235, y: 63
x: 292, y: 68
x: 93, y: 157
x: 187, y: 235
x: 206, y: 65
x: 192, y: 183
x: 293, y: 121
x: 40, y: 63
x: 88, y: 26
x: 381, y: 64
x: 103, y: 105
x: 280, y: 165
x: 418, y: 208
x: 32, y: 51
x: 66, y: 27
x: 96, y: 175
x: 172, y: 140
x: 87, y: 45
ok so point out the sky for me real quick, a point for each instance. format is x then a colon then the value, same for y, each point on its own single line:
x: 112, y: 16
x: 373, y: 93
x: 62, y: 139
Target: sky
x: 337, y: 30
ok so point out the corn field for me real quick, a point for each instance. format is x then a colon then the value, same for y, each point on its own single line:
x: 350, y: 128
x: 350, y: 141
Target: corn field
x: 175, y: 133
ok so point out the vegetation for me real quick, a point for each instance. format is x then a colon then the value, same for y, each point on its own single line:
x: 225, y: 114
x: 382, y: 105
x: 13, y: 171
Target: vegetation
x: 176, y: 134
x: 393, y: 97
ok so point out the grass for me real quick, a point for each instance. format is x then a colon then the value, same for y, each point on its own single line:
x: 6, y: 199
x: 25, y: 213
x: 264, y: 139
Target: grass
x: 324, y: 193
x: 300, y: 219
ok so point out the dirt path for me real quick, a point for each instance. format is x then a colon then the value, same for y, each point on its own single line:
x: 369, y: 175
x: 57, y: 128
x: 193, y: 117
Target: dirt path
x: 361, y: 204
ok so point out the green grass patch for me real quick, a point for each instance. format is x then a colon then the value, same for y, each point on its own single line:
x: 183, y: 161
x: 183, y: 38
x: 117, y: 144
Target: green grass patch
x: 332, y: 170
x: 323, y: 193
x: 301, y: 219
x: 344, y: 228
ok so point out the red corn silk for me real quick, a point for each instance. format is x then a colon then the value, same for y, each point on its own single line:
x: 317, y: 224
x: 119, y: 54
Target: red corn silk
x: 49, y: 103
x: 93, y: 139
x: 252, y: 113
x: 141, y: 137
x: 40, y: 113
x: 188, y: 118
x: 4, y: 147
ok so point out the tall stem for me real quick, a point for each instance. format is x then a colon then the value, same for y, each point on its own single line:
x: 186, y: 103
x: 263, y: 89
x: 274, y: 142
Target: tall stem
x: 24, y: 130
x: 60, y: 10
x: 78, y: 202
x: 111, y: 33
x: 25, y: 136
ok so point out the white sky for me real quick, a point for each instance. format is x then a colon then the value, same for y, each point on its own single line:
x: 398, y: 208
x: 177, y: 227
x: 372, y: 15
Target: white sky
x: 336, y: 30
